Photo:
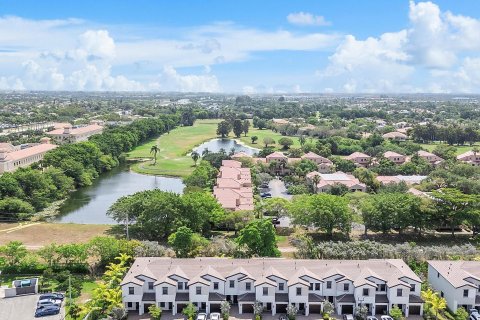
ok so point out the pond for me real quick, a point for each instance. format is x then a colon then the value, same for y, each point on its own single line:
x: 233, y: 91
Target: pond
x: 215, y: 145
x: 89, y: 204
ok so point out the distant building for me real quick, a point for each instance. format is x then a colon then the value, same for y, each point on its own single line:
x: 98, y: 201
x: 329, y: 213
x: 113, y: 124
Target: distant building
x: 397, y: 179
x: 69, y: 134
x: 12, y: 158
x: 327, y: 180
x: 470, y: 157
x: 172, y: 284
x: 456, y: 281
x: 396, y: 158
x: 324, y: 164
x: 360, y: 159
x: 395, y: 135
x: 234, y: 186
x: 430, y: 157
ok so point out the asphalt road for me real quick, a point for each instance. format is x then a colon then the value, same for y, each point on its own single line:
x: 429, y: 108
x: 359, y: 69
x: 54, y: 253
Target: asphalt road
x: 278, y: 190
x: 23, y: 308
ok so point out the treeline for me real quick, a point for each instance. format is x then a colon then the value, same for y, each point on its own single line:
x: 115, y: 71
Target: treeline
x: 70, y: 166
x: 451, y: 134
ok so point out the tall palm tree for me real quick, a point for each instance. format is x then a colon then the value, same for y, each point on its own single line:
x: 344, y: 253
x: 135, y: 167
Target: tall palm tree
x: 316, y: 180
x: 154, y: 150
x: 195, y: 156
x: 435, y: 303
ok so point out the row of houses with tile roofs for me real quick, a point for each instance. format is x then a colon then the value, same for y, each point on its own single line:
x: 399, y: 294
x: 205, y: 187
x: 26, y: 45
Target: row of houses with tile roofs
x: 456, y: 281
x: 233, y: 189
x: 172, y: 283
x: 364, y: 160
x: 14, y: 157
x: 471, y: 157
x: 71, y: 134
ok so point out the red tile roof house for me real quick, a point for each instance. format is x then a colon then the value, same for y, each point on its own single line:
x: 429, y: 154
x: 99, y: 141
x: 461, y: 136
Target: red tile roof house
x: 470, y: 157
x: 396, y: 136
x: 327, y: 180
x: 12, y: 159
x: 360, y: 159
x: 430, y: 157
x: 396, y: 158
x: 234, y: 186
x: 324, y: 164
x: 68, y: 134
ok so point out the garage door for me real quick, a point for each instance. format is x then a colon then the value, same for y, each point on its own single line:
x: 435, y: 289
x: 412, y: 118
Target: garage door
x: 247, y: 308
x: 180, y: 307
x: 347, y: 309
x: 381, y: 309
x: 414, y: 310
x: 282, y: 308
x: 215, y: 307
x: 314, y: 308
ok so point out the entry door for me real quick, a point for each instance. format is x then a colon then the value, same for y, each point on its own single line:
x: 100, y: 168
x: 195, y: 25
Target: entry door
x: 269, y: 306
x: 170, y: 306
x: 301, y: 306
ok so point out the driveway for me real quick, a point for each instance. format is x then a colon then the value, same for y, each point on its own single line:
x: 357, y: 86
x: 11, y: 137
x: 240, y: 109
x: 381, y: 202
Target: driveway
x: 278, y: 190
x: 23, y: 308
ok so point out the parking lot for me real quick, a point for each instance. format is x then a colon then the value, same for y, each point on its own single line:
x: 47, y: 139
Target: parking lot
x: 23, y: 308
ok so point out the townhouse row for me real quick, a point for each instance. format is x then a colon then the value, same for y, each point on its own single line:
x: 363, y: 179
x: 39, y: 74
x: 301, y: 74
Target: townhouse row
x: 173, y: 283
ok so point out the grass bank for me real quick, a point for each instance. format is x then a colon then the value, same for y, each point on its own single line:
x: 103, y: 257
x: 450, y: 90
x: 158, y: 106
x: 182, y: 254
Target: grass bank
x: 266, y: 133
x: 173, y: 158
x: 460, y: 149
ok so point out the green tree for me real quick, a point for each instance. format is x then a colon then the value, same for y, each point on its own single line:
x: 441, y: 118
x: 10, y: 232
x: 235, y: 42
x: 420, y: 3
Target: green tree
x: 225, y: 309
x: 302, y: 139
x: 155, y: 312
x: 13, y: 252
x: 237, y: 127
x: 154, y: 150
x: 285, y: 142
x: 396, y: 313
x: 195, y: 156
x: 254, y: 139
x: 224, y: 128
x: 190, y: 311
x: 267, y: 141
x: 184, y: 242
x: 461, y: 314
x: 435, y: 304
x: 245, y: 126
x: 323, y: 211
x: 259, y: 237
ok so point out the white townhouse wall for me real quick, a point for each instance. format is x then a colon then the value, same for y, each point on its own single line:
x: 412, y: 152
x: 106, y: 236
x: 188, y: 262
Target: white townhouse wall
x: 456, y: 281
x: 275, y: 283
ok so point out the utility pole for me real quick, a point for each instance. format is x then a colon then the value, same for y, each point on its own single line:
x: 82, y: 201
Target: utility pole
x: 128, y: 236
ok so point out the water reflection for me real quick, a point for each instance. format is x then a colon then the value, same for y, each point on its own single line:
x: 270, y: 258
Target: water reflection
x: 215, y: 145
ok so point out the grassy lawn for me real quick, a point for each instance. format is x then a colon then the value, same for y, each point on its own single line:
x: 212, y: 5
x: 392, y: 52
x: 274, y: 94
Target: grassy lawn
x: 36, y: 235
x: 172, y: 160
x: 264, y: 134
x: 460, y: 149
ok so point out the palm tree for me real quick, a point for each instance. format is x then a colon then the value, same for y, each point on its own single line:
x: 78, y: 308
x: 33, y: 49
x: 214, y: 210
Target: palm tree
x: 205, y: 152
x: 316, y: 180
x: 435, y: 303
x: 195, y: 156
x: 154, y: 150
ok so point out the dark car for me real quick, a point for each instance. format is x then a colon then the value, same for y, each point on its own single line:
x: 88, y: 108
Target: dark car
x: 47, y: 311
x: 275, y: 221
x: 266, y: 195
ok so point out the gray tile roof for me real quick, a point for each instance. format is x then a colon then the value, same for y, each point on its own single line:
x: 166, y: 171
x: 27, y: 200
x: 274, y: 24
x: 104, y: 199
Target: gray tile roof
x: 458, y: 272
x: 247, y: 297
x: 381, y: 298
x: 313, y: 297
x: 148, y: 296
x: 182, y: 296
x: 415, y: 299
x: 213, y: 296
x: 281, y: 297
x: 347, y: 298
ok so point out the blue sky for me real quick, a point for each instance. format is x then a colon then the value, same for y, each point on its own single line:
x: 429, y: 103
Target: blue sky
x: 241, y: 46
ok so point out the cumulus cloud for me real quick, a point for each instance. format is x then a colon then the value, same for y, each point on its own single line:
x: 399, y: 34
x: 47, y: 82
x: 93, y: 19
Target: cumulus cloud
x: 171, y: 80
x: 437, y: 44
x: 307, y: 19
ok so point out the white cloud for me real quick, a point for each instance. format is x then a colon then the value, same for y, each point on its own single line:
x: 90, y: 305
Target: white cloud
x: 410, y: 60
x: 307, y: 19
x: 171, y: 80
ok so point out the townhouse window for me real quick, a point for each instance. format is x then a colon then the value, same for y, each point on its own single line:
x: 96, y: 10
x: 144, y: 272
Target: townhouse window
x: 479, y: 288
x: 317, y: 286
x: 465, y: 293
x: 310, y: 287
x: 129, y: 304
x: 382, y: 287
x: 441, y: 294
x: 232, y: 284
x: 198, y: 290
x: 280, y: 286
x: 215, y: 286
x: 162, y: 304
x: 346, y: 287
x: 185, y: 285
x: 438, y: 274
x: 164, y: 290
x: 412, y: 287
x: 265, y: 291
x: 131, y: 290
x: 299, y: 291
x: 150, y: 286
x: 365, y: 291
x: 399, y: 292
x: 248, y: 286
x: 180, y: 286
x: 329, y: 284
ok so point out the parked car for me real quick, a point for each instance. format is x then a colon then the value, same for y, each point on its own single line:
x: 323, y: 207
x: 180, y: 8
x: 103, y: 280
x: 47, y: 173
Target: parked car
x: 266, y: 195
x: 264, y: 185
x: 371, y: 318
x: 49, y: 302
x: 386, y: 318
x: 348, y: 317
x: 215, y: 316
x: 52, y: 295
x: 474, y: 315
x: 202, y: 316
x: 275, y: 221
x: 47, y: 310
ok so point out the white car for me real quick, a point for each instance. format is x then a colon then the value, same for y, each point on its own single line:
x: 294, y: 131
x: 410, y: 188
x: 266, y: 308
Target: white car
x: 474, y: 315
x: 48, y: 302
x: 348, y: 317
x: 386, y: 318
x: 215, y: 316
x: 202, y: 316
x: 371, y: 318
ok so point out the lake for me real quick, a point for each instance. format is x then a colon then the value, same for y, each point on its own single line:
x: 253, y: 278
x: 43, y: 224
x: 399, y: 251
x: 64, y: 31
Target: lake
x: 215, y: 145
x: 89, y: 204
